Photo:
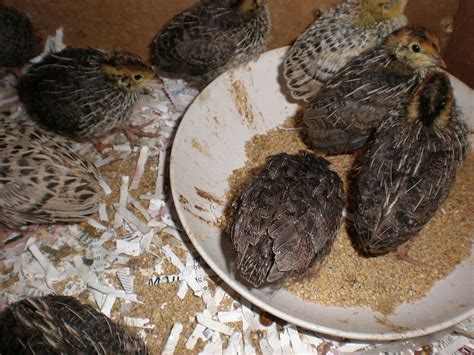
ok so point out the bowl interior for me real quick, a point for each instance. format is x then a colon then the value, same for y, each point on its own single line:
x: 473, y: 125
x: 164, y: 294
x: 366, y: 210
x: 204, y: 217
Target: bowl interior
x: 209, y: 145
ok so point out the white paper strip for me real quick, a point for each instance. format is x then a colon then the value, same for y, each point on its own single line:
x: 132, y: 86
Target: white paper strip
x: 126, y: 280
x: 195, y: 335
x: 230, y: 316
x: 107, y: 305
x: 219, y: 295
x: 209, y: 301
x: 214, y: 347
x: 235, y: 345
x: 105, y: 187
x: 122, y: 201
x: 122, y: 148
x: 140, y: 168
x: 117, y: 293
x: 138, y: 322
x: 274, y: 338
x: 49, y: 270
x: 102, y: 162
x: 103, y: 212
x: 97, y: 225
x: 205, y: 319
x: 285, y: 344
x: 133, y: 220
x: 128, y: 247
x: 160, y: 177
x: 183, y: 290
x: 173, y: 258
x: 298, y: 346
x: 173, y: 339
x: 140, y: 208
x: 265, y: 347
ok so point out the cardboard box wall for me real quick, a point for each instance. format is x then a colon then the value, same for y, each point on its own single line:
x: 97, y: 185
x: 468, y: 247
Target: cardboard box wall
x: 130, y: 25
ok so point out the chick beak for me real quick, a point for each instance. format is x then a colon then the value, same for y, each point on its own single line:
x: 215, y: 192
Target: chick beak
x: 440, y: 62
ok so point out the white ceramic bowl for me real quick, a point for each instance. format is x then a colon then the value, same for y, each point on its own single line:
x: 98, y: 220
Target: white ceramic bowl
x: 209, y: 145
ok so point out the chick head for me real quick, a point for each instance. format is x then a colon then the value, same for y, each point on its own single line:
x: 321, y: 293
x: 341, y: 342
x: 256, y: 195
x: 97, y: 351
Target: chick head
x: 433, y: 101
x: 127, y: 72
x: 415, y: 48
x: 384, y: 9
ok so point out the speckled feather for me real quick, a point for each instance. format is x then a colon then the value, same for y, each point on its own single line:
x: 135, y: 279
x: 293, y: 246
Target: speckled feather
x: 410, y: 168
x: 209, y: 38
x: 340, y: 34
x: 78, y: 92
x: 287, y: 218
x: 17, y: 39
x: 61, y: 325
x: 344, y: 114
x: 41, y: 179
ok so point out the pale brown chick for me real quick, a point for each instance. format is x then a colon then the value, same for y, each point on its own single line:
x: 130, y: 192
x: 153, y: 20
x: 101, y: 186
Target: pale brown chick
x: 338, y: 35
x: 344, y: 114
x: 42, y: 180
x: 211, y: 37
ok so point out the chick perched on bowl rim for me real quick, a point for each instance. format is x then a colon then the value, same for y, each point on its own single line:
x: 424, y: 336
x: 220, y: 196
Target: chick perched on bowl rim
x: 211, y: 37
x: 344, y: 114
x: 18, y: 42
x: 85, y: 93
x: 338, y: 35
x: 62, y: 325
x: 410, y: 167
x: 287, y: 218
x: 42, y: 180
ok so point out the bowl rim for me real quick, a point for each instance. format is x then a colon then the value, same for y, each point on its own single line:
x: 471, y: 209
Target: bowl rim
x: 242, y: 291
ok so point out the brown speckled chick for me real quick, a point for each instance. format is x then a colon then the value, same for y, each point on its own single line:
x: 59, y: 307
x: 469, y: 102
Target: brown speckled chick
x: 62, y: 325
x: 345, y: 113
x: 287, y: 218
x: 337, y: 36
x: 18, y: 43
x: 211, y: 37
x: 42, y: 180
x: 409, y: 169
x: 84, y: 93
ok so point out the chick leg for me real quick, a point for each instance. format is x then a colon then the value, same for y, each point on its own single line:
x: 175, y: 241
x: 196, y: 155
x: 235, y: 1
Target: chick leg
x: 130, y: 130
x: 10, y: 238
x: 100, y: 144
x: 402, y: 254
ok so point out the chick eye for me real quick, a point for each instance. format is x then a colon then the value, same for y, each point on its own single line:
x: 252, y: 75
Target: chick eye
x: 416, y: 48
x: 137, y: 77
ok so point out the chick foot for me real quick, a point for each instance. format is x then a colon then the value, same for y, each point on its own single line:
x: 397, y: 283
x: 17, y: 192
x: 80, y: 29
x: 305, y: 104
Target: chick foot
x: 131, y: 130
x: 100, y: 145
x: 10, y: 238
x: 402, y: 254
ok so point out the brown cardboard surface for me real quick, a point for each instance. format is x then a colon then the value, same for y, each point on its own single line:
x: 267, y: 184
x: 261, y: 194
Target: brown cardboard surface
x: 131, y: 24
x: 460, y: 52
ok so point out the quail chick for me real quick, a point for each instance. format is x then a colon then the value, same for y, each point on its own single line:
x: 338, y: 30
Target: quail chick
x: 211, y: 37
x: 410, y: 167
x: 17, y: 39
x: 84, y: 93
x: 344, y: 114
x: 337, y: 36
x: 287, y: 218
x: 41, y: 179
x: 62, y: 325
